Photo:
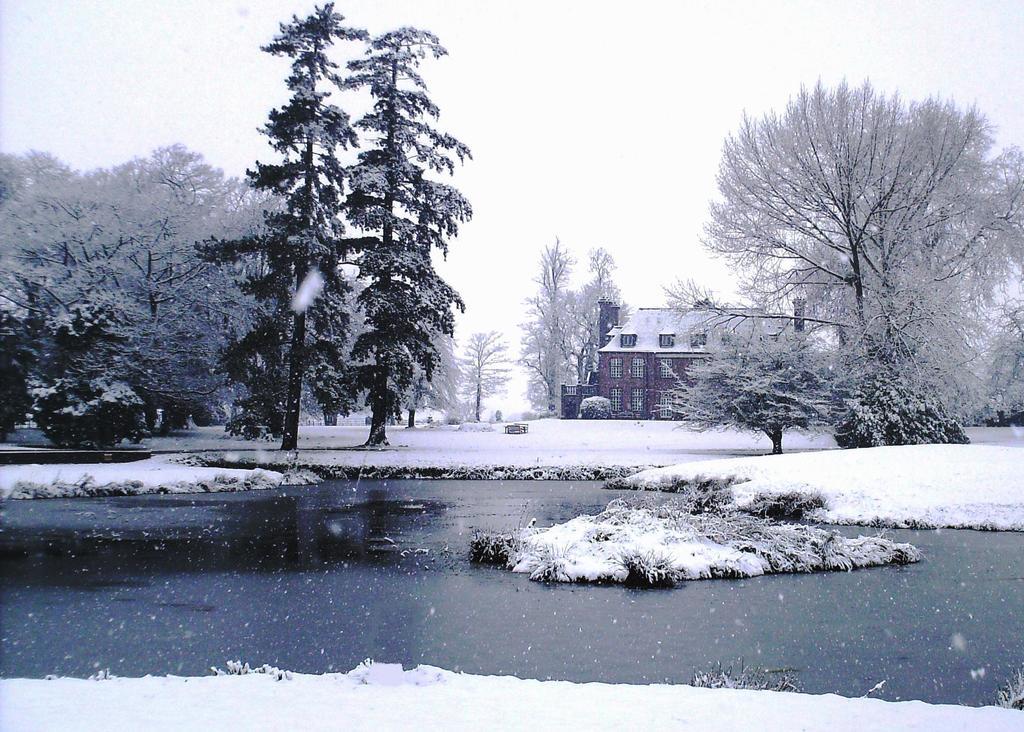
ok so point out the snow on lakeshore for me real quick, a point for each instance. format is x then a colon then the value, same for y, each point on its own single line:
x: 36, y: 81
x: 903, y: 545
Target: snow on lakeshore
x: 938, y: 486
x: 659, y: 545
x: 383, y: 697
x: 126, y: 479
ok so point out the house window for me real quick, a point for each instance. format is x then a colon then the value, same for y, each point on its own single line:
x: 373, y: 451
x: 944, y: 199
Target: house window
x: 665, y: 404
x: 615, y: 368
x: 636, y: 401
x: 627, y: 340
x: 665, y: 369
x: 615, y: 397
x: 638, y: 368
x: 667, y: 340
x: 698, y: 340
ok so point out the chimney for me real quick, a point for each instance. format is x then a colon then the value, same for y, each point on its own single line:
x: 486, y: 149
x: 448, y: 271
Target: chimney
x: 799, y: 309
x: 607, y: 318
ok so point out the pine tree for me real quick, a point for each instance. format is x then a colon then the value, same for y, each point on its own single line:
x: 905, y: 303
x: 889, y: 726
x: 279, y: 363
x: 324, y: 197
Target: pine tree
x: 297, y: 281
x: 405, y: 216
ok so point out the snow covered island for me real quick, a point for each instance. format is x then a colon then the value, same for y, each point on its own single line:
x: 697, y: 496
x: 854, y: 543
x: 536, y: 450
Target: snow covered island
x: 383, y: 696
x: 658, y: 545
x: 914, y: 486
x: 127, y: 479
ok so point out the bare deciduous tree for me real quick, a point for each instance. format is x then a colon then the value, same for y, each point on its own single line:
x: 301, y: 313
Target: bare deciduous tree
x: 485, y: 368
x: 544, y: 352
x: 891, y: 221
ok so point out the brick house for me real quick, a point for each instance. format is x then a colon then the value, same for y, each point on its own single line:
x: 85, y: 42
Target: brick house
x: 642, y: 360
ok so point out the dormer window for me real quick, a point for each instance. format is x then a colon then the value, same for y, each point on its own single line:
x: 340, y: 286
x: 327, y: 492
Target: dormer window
x: 627, y: 340
x: 666, y: 340
x: 698, y: 340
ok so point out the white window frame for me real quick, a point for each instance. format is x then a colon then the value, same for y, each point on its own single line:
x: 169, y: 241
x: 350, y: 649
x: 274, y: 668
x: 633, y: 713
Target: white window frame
x: 615, y: 368
x: 636, y: 400
x: 615, y: 397
x: 665, y: 368
x: 638, y: 368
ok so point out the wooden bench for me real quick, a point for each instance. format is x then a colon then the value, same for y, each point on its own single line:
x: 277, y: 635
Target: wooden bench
x: 516, y: 429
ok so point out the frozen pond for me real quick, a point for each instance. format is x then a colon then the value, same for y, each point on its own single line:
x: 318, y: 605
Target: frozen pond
x: 318, y: 578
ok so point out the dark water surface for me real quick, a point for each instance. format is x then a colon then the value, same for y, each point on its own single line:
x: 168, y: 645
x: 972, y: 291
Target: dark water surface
x: 318, y: 578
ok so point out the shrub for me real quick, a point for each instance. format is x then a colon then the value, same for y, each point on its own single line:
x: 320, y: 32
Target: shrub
x: 792, y: 505
x: 549, y: 564
x: 237, y: 668
x: 745, y: 677
x: 886, y: 411
x: 1011, y: 694
x: 453, y: 419
x: 489, y: 548
x: 595, y: 407
x: 700, y: 495
x: 648, y: 569
x: 79, y: 412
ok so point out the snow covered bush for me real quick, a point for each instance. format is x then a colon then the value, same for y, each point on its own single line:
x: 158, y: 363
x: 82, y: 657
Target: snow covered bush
x: 885, y: 411
x: 791, y: 505
x: 237, y: 668
x: 93, y: 413
x: 595, y: 407
x: 488, y: 548
x: 1011, y: 694
x: 771, y: 386
x: 745, y: 677
x: 647, y: 569
x: 653, y: 544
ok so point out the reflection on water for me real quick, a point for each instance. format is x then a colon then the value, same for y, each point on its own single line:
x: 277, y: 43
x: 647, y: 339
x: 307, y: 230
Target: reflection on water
x: 319, y: 578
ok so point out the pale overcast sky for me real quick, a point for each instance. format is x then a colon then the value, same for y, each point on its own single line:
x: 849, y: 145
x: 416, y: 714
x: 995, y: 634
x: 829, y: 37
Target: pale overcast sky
x: 597, y: 122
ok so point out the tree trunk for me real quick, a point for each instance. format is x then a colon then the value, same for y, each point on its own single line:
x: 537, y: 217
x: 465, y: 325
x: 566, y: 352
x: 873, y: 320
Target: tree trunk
x: 776, y: 437
x: 379, y: 408
x: 296, y: 363
x: 378, y: 397
x: 479, y: 398
x: 297, y: 351
x: 378, y: 429
x: 412, y: 418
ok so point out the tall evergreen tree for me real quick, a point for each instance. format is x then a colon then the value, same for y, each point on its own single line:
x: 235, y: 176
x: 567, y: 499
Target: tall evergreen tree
x: 406, y: 216
x: 298, y: 281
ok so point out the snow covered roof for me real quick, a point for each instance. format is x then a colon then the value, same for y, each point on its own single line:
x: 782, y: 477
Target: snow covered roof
x: 647, y: 324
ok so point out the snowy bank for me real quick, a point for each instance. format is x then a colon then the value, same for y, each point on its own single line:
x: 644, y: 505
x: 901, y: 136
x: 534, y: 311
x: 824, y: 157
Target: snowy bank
x: 914, y: 486
x: 383, y: 697
x: 659, y: 545
x: 127, y: 479
x: 306, y: 469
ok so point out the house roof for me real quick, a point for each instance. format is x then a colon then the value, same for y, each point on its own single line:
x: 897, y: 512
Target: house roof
x: 649, y: 323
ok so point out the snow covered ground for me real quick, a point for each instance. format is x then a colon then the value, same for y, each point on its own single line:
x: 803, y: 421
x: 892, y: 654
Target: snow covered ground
x: 548, y: 442
x: 383, y: 697
x: 154, y: 475
x: 942, y: 486
x: 657, y: 545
